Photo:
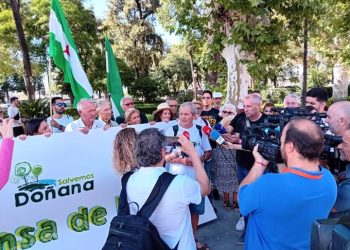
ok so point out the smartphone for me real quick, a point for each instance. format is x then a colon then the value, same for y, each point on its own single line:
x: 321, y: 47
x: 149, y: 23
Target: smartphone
x: 172, y: 141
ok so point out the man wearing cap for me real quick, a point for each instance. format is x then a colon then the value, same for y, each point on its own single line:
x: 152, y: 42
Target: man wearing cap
x: 58, y: 121
x: 127, y: 102
x: 217, y: 96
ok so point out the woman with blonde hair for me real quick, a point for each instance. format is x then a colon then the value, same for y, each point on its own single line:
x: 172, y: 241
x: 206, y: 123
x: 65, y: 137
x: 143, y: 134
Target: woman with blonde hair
x: 132, y: 116
x: 124, y: 159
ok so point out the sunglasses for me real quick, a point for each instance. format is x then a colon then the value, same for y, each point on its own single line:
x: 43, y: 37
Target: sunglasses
x: 129, y: 104
x: 218, y: 98
x: 227, y: 112
x: 61, y: 104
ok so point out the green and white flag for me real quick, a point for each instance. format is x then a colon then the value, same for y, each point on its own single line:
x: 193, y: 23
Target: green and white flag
x: 65, y: 54
x: 114, y: 83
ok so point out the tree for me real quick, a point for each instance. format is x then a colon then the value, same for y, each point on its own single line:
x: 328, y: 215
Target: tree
x: 36, y: 171
x: 22, y: 170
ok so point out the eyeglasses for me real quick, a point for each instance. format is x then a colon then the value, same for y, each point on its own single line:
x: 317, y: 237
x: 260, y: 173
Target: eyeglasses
x: 227, y: 112
x: 128, y: 104
x: 61, y: 104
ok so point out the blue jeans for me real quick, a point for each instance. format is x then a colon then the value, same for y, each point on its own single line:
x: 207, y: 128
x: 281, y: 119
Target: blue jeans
x: 242, y: 172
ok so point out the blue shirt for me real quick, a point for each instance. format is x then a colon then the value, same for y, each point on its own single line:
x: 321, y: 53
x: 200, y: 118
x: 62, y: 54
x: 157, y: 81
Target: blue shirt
x: 282, y: 208
x: 343, y: 196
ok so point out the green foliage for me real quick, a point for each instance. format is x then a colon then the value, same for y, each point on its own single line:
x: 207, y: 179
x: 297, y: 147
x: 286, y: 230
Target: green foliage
x: 39, y: 108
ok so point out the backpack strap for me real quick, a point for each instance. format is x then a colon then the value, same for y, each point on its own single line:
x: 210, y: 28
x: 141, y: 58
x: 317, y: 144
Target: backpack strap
x: 199, y: 130
x: 176, y: 129
x: 123, y: 207
x: 156, y: 195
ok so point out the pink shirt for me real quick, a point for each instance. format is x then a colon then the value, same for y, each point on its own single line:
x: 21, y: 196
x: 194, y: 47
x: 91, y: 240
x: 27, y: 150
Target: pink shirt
x: 6, y: 151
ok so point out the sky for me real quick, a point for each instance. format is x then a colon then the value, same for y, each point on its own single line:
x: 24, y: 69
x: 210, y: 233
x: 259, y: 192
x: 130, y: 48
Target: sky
x: 100, y: 9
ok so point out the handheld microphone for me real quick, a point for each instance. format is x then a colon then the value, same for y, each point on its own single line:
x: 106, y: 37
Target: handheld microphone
x: 220, y: 128
x: 213, y: 134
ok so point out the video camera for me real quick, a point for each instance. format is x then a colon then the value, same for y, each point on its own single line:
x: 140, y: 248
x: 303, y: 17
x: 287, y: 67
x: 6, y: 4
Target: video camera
x: 268, y: 134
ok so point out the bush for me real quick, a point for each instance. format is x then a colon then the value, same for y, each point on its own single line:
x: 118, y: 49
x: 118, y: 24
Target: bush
x: 39, y: 108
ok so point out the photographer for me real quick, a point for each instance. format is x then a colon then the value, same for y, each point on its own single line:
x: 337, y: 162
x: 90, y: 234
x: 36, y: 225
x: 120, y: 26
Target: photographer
x: 282, y: 207
x: 343, y: 195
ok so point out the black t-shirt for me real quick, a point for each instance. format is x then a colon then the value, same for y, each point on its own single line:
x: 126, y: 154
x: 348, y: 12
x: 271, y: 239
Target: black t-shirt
x: 211, y: 116
x: 233, y: 123
x: 121, y: 119
x: 244, y: 158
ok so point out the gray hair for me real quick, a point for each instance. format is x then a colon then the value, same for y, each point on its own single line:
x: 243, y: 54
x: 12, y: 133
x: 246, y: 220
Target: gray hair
x: 256, y: 98
x: 82, y: 102
x: 291, y: 95
x: 191, y: 106
x: 124, y: 98
x: 227, y: 106
x: 148, y: 147
x: 102, y: 102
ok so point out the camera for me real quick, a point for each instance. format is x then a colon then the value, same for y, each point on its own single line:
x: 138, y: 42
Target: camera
x: 172, y: 141
x: 330, y: 150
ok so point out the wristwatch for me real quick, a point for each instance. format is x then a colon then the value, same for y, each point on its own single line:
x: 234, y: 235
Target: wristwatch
x: 61, y: 127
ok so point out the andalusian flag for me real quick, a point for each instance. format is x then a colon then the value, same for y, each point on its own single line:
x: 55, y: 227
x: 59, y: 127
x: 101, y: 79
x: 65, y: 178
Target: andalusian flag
x: 65, y: 54
x: 114, y: 83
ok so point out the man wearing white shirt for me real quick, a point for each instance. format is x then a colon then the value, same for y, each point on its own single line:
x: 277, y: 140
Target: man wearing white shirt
x: 172, y: 216
x: 13, y: 112
x: 58, y: 121
x: 87, y: 120
x: 184, y: 165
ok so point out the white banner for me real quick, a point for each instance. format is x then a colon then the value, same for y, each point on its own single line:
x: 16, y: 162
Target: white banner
x: 62, y: 192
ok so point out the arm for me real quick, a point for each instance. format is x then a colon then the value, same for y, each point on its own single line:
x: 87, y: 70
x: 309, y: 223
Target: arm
x: 257, y: 170
x: 201, y: 175
x: 6, y: 151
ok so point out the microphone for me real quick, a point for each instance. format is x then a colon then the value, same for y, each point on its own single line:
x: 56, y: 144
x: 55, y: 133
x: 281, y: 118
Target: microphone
x: 213, y: 134
x: 220, y: 128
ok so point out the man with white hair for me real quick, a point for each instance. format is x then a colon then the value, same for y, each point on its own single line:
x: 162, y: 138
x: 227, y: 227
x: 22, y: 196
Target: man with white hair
x: 338, y: 117
x: 292, y: 100
x: 127, y: 103
x: 87, y: 120
x: 104, y: 112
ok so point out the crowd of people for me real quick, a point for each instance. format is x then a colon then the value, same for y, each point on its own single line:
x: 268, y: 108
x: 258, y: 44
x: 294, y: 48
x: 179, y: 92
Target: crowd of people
x: 303, y: 189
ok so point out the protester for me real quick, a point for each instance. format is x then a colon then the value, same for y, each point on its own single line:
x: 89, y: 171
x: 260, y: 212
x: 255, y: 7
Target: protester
x: 58, y: 121
x: 37, y: 126
x: 200, y: 120
x: 13, y: 112
x: 288, y: 203
x: 184, y: 166
x: 343, y: 194
x: 217, y: 96
x: 317, y: 98
x: 291, y: 101
x: 245, y: 160
x: 209, y: 113
x: 87, y: 120
x: 338, y: 117
x: 104, y: 112
x: 128, y: 103
x: 132, y: 117
x: 172, y: 216
x: 225, y: 165
x: 267, y: 110
x: 173, y: 104
x: 124, y: 159
x: 163, y: 113
x: 6, y: 150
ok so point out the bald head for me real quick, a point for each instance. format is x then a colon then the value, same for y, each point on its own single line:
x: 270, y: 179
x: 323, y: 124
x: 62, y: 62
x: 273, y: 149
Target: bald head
x: 306, y: 136
x: 338, y: 117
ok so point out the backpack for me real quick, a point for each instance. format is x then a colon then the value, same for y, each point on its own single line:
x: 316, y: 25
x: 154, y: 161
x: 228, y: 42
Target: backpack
x: 176, y: 130
x: 136, y: 232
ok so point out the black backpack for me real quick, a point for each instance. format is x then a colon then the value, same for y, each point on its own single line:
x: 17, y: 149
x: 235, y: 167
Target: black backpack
x: 136, y: 232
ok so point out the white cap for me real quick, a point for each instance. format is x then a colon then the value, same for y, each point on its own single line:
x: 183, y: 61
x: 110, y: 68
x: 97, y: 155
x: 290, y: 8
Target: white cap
x: 217, y: 95
x: 240, y: 106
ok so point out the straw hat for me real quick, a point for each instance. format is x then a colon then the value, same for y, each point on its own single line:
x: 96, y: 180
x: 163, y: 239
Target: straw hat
x: 161, y: 107
x: 199, y: 103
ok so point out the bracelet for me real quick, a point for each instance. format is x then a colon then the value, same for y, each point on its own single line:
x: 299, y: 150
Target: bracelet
x: 262, y: 164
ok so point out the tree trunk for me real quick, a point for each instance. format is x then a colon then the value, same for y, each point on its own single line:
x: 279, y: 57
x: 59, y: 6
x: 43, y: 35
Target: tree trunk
x: 340, y: 84
x: 194, y: 84
x: 25, y: 52
x: 306, y: 37
x: 237, y: 76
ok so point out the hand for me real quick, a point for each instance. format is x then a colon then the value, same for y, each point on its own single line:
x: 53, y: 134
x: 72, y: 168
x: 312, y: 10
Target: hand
x: 6, y: 130
x: 47, y: 134
x: 258, y: 157
x: 152, y: 123
x: 188, y: 161
x: 231, y: 138
x: 123, y: 125
x: 106, y: 127
x: 84, y: 130
x: 54, y: 124
x: 22, y: 137
x: 186, y: 145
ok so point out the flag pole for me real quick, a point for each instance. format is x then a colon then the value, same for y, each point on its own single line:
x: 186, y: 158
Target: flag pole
x: 49, y: 84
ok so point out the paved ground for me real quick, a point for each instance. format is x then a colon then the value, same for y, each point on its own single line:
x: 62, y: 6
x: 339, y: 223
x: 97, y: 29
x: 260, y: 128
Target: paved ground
x: 221, y: 234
